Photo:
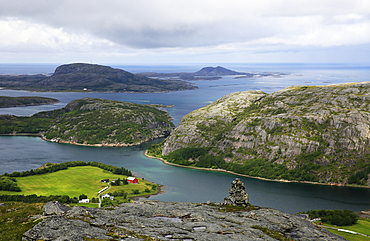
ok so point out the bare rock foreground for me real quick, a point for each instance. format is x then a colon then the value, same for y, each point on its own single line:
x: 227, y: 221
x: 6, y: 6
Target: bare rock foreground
x: 154, y: 220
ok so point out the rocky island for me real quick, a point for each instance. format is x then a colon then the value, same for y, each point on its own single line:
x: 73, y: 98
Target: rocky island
x: 208, y: 73
x: 154, y: 220
x: 6, y: 101
x: 81, y: 77
x: 318, y: 134
x: 91, y: 121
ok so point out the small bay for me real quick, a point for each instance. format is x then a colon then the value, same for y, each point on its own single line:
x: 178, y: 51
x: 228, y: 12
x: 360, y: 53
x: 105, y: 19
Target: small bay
x: 20, y: 153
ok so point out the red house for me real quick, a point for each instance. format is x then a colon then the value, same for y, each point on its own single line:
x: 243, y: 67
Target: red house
x: 132, y: 180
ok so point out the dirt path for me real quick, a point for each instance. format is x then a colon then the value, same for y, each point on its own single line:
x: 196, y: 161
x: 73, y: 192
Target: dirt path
x: 109, y: 186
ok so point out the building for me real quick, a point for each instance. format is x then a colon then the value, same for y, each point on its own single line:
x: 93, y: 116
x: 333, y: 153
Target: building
x: 84, y: 201
x: 132, y: 180
x: 105, y: 195
x: 105, y: 180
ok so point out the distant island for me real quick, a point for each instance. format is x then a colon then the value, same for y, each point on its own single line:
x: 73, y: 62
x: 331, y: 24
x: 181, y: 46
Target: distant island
x: 96, y: 122
x: 208, y: 73
x: 6, y: 101
x: 81, y: 77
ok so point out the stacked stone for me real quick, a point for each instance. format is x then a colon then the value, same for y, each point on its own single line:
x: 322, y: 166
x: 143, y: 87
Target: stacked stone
x: 237, y: 195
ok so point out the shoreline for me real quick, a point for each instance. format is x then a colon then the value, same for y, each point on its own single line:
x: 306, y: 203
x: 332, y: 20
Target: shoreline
x: 177, y: 165
x: 78, y: 144
x: 243, y: 175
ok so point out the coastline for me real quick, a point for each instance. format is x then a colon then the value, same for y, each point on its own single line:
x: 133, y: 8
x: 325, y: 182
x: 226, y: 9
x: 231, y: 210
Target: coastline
x: 177, y: 165
x: 243, y: 175
x: 75, y: 143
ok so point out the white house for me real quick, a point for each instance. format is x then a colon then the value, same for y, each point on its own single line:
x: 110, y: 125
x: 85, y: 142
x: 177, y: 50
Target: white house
x: 84, y: 201
x: 105, y: 195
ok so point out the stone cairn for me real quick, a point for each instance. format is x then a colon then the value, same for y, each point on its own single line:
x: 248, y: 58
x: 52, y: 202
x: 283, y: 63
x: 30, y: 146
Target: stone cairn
x: 237, y: 195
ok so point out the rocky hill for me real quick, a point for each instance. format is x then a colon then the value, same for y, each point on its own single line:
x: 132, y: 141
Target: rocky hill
x: 304, y: 133
x: 153, y: 220
x: 6, y: 101
x: 93, y: 121
x: 216, y: 71
x: 92, y: 77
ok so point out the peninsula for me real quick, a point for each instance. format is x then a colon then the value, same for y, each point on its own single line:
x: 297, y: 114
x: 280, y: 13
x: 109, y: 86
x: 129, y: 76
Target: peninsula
x: 91, y: 121
x: 317, y: 134
x: 81, y: 77
x: 6, y: 101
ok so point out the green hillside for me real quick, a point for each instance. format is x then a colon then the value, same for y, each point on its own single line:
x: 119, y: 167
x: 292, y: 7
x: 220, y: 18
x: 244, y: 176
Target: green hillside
x: 94, y: 122
x: 302, y: 133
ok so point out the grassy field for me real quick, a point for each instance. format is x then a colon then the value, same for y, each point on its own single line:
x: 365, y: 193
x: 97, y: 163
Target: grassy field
x: 73, y: 182
x: 15, y: 219
x: 362, y: 226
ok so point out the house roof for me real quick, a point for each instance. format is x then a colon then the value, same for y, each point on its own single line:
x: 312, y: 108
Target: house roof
x: 131, y: 178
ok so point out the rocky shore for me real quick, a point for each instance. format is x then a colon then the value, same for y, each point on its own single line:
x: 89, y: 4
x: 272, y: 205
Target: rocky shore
x: 154, y: 220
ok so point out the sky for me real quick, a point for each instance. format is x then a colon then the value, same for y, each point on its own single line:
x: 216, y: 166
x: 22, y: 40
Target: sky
x: 191, y: 31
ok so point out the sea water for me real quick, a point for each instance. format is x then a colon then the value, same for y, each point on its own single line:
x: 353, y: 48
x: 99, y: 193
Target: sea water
x: 182, y: 184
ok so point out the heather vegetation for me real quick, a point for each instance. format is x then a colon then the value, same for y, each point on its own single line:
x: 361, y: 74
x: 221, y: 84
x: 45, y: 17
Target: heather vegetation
x: 94, y: 121
x: 302, y: 133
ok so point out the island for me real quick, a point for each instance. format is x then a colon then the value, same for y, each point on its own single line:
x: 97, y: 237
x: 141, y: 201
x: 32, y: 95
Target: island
x: 80, y: 77
x: 6, y: 101
x: 315, y: 134
x: 91, y: 121
x: 209, y: 73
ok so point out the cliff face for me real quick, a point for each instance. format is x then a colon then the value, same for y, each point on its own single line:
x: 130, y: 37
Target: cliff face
x: 326, y: 128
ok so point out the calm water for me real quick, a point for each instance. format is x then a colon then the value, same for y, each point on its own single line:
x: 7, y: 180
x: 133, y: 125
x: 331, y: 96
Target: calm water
x: 181, y: 184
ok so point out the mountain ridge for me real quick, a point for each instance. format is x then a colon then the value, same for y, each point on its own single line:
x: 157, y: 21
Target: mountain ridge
x: 302, y: 133
x: 83, y: 77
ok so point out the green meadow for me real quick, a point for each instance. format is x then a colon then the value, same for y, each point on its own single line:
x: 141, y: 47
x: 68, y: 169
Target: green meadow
x: 362, y: 226
x: 73, y: 182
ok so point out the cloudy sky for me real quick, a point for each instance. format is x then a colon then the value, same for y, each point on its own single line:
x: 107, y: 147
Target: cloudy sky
x: 191, y: 31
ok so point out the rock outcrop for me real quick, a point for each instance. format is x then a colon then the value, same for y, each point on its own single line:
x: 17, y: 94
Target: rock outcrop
x: 320, y: 132
x: 174, y: 221
x: 237, y: 195
x: 55, y: 208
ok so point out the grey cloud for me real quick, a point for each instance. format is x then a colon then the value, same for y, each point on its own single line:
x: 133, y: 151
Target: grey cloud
x: 158, y: 24
x: 147, y: 28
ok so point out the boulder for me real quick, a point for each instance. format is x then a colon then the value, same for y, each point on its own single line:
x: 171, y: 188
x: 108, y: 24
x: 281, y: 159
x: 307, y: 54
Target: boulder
x: 60, y: 228
x: 55, y: 208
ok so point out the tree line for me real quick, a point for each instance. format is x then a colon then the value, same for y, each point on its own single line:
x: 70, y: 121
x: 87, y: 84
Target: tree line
x: 33, y: 198
x: 336, y: 217
x: 257, y: 167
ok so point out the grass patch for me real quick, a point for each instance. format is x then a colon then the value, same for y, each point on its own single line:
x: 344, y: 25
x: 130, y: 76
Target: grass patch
x: 73, y: 182
x: 362, y: 226
x: 15, y: 219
